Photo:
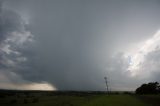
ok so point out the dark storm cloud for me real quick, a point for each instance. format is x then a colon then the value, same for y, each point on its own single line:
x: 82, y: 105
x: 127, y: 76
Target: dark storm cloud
x: 9, y: 22
x: 13, y: 39
x: 77, y: 43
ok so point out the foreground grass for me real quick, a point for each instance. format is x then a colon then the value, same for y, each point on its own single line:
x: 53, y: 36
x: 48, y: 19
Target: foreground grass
x: 117, y: 100
x: 154, y: 100
x: 80, y: 100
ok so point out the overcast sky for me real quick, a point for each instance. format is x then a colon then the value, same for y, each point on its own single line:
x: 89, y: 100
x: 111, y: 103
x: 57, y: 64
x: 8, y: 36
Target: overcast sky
x: 74, y: 44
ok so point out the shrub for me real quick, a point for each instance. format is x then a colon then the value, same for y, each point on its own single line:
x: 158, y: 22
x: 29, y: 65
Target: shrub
x: 25, y: 101
x: 13, y: 101
x: 35, y: 100
x: 150, y: 88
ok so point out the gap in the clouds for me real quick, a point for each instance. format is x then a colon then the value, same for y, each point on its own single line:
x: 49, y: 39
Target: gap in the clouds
x: 138, y: 59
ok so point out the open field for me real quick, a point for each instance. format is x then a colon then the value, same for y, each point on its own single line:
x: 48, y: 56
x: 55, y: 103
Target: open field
x: 27, y: 98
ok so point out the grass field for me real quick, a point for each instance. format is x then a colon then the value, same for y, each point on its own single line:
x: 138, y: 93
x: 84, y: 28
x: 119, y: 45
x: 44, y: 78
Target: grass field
x: 49, y: 99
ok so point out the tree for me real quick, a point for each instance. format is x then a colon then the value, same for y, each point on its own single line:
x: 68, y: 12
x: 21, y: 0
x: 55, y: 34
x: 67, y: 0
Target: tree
x: 150, y: 88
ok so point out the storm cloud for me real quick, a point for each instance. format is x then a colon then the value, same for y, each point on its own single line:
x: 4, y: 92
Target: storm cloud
x: 73, y: 45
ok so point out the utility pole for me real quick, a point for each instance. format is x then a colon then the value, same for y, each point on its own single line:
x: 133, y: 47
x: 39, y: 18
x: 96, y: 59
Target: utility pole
x: 106, y: 81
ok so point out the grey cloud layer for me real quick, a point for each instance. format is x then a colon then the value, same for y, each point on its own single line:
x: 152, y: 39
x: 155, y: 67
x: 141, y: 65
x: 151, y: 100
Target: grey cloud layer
x: 76, y: 41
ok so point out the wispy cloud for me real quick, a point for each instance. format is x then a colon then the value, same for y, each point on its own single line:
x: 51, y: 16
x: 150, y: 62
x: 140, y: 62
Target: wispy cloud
x: 142, y: 63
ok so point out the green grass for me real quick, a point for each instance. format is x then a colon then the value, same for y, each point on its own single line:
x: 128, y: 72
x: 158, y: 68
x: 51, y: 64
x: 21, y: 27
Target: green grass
x: 81, y: 100
x: 117, y: 100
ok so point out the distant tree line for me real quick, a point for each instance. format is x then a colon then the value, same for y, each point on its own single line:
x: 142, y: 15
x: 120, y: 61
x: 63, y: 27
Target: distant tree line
x: 150, y: 88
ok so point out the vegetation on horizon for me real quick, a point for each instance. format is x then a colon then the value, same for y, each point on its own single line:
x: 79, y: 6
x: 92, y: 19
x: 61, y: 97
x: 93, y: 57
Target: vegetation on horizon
x: 150, y: 88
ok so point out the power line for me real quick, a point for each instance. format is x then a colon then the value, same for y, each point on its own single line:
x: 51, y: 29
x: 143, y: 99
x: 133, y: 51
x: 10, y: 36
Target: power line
x: 106, y: 81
